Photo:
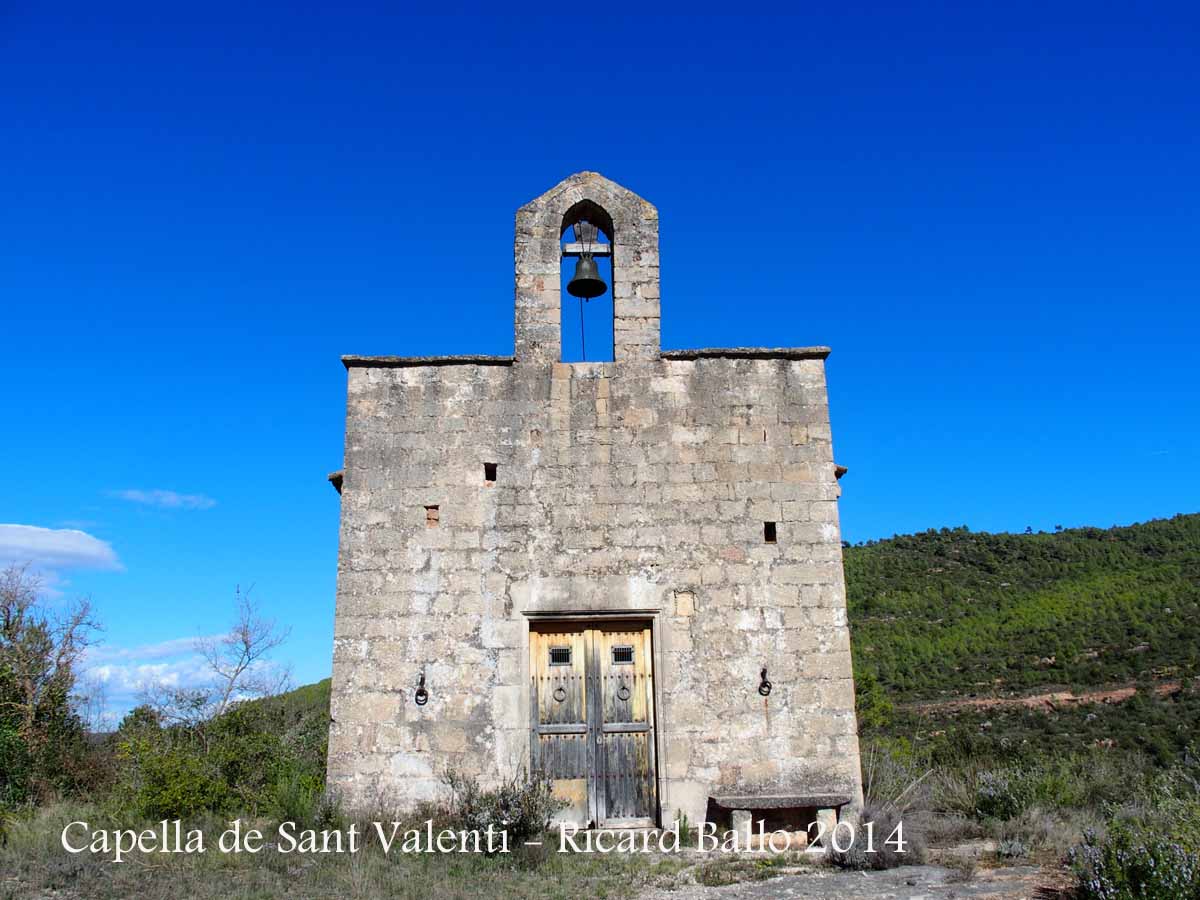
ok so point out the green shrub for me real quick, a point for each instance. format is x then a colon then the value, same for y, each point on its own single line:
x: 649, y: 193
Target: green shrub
x: 1002, y: 794
x: 984, y: 794
x: 16, y: 765
x: 177, y: 783
x: 873, y: 706
x: 298, y: 797
x: 1128, y: 864
x: 1174, y: 797
x: 245, y: 753
x: 260, y: 757
x: 1095, y: 781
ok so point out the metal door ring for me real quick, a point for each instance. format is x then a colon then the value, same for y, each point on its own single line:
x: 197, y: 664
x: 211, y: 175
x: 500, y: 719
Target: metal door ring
x: 622, y: 693
x: 421, y: 696
x: 560, y: 694
x: 764, y: 686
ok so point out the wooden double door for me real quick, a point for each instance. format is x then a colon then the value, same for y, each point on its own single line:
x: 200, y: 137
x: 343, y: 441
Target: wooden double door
x: 592, y: 715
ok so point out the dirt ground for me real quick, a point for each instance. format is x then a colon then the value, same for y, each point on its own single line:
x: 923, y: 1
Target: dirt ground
x: 906, y: 883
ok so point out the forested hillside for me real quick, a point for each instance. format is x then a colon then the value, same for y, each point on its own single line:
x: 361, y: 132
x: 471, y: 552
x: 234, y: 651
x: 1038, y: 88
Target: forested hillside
x: 953, y: 613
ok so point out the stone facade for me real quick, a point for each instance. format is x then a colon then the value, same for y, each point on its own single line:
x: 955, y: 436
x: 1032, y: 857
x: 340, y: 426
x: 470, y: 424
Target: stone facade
x: 639, y: 487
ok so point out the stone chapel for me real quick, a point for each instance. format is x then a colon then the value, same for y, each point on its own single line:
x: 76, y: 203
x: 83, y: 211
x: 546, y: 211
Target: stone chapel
x: 625, y: 574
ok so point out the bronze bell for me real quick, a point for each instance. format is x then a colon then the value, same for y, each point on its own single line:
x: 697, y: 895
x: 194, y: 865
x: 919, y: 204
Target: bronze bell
x: 587, y: 282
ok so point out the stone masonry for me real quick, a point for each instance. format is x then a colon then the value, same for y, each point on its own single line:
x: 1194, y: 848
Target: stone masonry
x: 641, y: 486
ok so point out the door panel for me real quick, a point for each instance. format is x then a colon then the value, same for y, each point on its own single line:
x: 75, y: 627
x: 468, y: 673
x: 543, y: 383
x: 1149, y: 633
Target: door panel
x: 560, y: 731
x: 558, y: 666
x: 592, y: 701
x: 626, y: 739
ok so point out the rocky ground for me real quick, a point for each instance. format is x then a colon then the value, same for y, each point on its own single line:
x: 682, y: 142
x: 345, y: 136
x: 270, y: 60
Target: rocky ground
x: 907, y: 883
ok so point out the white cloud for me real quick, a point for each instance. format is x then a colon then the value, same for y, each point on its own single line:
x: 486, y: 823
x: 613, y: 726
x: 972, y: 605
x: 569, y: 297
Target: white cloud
x: 49, y: 549
x: 165, y: 499
x: 162, y: 650
x: 123, y: 673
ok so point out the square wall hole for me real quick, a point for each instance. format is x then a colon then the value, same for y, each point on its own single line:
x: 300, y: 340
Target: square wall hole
x: 769, y: 532
x: 431, y: 516
x: 489, y: 473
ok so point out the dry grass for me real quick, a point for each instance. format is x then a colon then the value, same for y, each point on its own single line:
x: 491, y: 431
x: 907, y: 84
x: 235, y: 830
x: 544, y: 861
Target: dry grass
x: 893, y: 783
x: 34, y: 863
x: 1034, y: 812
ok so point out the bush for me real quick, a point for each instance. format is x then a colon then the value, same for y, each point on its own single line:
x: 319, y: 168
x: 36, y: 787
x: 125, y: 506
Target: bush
x: 894, y: 776
x: 984, y: 794
x: 300, y: 798
x: 1129, y: 864
x: 1002, y: 794
x: 872, y: 704
x: 884, y: 854
x: 1174, y: 799
x: 1012, y: 848
x: 245, y: 752
x: 521, y: 806
x: 175, y: 783
x: 259, y: 757
x: 16, y: 766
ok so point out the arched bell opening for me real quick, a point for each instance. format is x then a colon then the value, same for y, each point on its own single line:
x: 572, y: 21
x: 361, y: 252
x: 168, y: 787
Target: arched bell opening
x: 586, y: 241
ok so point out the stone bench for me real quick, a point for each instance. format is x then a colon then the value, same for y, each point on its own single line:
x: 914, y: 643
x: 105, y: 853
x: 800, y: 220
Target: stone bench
x: 826, y: 808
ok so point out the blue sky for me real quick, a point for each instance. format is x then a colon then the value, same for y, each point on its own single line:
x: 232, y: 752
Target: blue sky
x: 991, y: 213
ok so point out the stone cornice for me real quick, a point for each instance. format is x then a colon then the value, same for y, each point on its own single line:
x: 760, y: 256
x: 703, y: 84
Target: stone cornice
x: 400, y: 362
x: 748, y: 353
x: 352, y: 361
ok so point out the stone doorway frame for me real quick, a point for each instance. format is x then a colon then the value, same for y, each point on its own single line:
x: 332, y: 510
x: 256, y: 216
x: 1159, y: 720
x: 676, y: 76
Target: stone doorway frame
x: 650, y: 618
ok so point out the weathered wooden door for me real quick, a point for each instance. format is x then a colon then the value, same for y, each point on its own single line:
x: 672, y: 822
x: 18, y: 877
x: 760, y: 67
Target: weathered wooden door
x: 559, y: 714
x: 592, y: 714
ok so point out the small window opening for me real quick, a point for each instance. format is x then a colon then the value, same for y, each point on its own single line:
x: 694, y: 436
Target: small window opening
x: 489, y: 473
x: 560, y: 656
x: 769, y: 532
x: 623, y: 655
x: 431, y: 516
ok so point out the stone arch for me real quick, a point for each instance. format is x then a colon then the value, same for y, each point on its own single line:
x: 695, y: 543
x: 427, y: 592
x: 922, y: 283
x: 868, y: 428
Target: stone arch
x: 593, y: 212
x: 631, y: 225
x: 600, y: 314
